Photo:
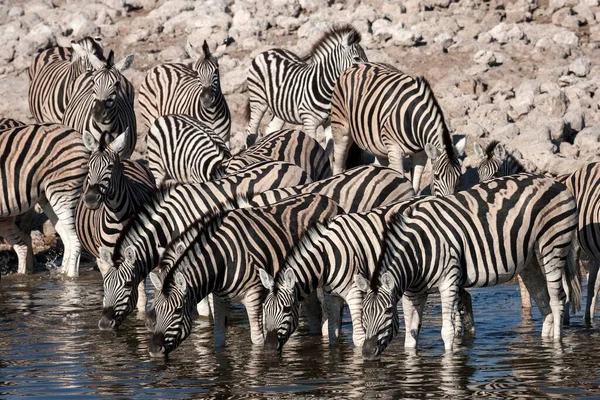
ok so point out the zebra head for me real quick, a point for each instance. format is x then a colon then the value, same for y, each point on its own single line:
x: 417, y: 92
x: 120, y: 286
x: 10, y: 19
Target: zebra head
x: 491, y: 160
x: 446, y: 169
x: 109, y: 87
x: 280, y: 308
x: 380, y: 313
x: 120, y: 290
x: 207, y: 69
x: 104, y: 167
x: 83, y: 48
x: 173, y: 310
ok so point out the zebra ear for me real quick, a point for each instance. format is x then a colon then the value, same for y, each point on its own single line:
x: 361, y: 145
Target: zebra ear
x: 206, y: 49
x: 266, y: 279
x: 180, y: 248
x: 500, y: 152
x: 289, y: 279
x: 180, y: 281
x: 432, y: 151
x: 361, y: 283
x: 89, y: 141
x: 478, y: 150
x: 130, y: 255
x: 160, y: 251
x: 387, y: 281
x: 77, y: 48
x: 156, y: 281
x: 191, y: 51
x: 125, y: 63
x: 353, y: 37
x: 119, y: 145
x: 96, y: 62
x: 220, y: 51
x: 106, y: 254
x: 460, y: 147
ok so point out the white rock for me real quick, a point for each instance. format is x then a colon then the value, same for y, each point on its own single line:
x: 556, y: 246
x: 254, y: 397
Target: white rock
x: 566, y: 38
x: 382, y: 29
x: 580, y: 67
x: 485, y: 57
x: 16, y: 12
x: 504, y: 33
x: 313, y: 5
x: 574, y: 120
x: 405, y: 37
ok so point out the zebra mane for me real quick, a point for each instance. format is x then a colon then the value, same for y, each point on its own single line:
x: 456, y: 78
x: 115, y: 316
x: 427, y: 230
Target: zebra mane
x: 428, y: 93
x: 201, y: 230
x: 489, y: 153
x: 489, y: 149
x: 334, y: 35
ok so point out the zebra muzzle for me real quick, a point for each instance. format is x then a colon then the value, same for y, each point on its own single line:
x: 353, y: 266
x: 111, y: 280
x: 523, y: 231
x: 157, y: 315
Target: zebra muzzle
x: 107, y: 322
x: 207, y: 97
x: 156, y: 347
x: 92, y: 197
x: 370, y: 349
x: 272, y: 341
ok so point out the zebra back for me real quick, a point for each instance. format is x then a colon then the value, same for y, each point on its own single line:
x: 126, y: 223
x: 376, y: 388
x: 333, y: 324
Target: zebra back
x: 7, y: 123
x: 357, y: 189
x: 190, y: 90
x: 227, y: 263
x: 172, y: 210
x: 185, y: 150
x: 52, y: 75
x: 51, y: 162
x: 102, y: 101
x: 496, y: 161
x: 288, y: 145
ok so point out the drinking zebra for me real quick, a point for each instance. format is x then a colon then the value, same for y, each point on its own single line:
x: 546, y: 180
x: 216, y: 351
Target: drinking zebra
x: 52, y: 75
x: 102, y: 101
x: 191, y: 90
x: 226, y: 263
x: 298, y: 89
x: 495, y: 161
x: 114, y: 191
x: 49, y: 168
x: 288, y: 145
x: 185, y: 150
x: 392, y: 115
x: 136, y: 252
x: 479, y: 237
x: 7, y: 123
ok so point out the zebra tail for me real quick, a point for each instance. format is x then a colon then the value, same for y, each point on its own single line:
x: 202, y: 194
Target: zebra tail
x: 572, y: 277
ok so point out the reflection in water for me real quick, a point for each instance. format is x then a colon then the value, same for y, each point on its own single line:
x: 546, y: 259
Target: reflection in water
x: 50, y: 346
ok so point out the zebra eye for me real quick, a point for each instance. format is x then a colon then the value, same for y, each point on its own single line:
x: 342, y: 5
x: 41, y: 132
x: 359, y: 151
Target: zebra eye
x: 128, y: 284
x: 287, y: 309
x: 389, y: 311
x: 357, y: 59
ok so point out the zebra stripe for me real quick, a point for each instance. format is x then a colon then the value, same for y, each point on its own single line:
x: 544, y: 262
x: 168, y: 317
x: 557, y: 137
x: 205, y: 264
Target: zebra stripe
x: 357, y: 189
x: 479, y: 237
x: 495, y: 161
x: 298, y: 90
x: 288, y: 145
x: 102, y: 101
x: 185, y: 150
x: 53, y: 73
x: 43, y: 164
x: 191, y: 90
x: 173, y: 209
x: 227, y: 264
x: 328, y: 255
x: 585, y: 186
x: 391, y: 115
x: 7, y: 123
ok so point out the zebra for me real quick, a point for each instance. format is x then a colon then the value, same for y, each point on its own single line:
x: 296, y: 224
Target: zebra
x: 185, y: 150
x: 286, y: 145
x: 585, y: 186
x: 53, y: 73
x: 495, y: 161
x: 7, y: 123
x: 45, y: 164
x: 391, y: 115
x: 114, y: 191
x: 482, y: 236
x: 191, y: 90
x: 298, y: 89
x: 357, y: 189
x: 226, y: 263
x: 102, y: 101
x: 136, y: 251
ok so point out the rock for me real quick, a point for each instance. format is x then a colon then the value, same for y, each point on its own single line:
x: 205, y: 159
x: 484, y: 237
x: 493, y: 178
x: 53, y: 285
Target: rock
x: 580, y: 67
x: 507, y: 132
x: 16, y: 12
x: 567, y: 38
x: 405, y: 37
x: 504, y: 33
x: 382, y: 29
x: 485, y: 57
x: 569, y: 150
x: 473, y: 129
x: 588, y: 138
x: 313, y: 5
x: 574, y: 121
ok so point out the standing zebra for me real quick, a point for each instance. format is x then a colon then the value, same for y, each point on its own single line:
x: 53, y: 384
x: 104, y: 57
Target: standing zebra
x: 43, y: 164
x: 7, y: 123
x: 194, y: 91
x: 226, y: 263
x: 298, y: 89
x: 185, y: 150
x: 53, y: 73
x: 136, y: 252
x: 114, y: 191
x: 287, y: 145
x: 391, y: 115
x: 483, y: 236
x: 102, y: 101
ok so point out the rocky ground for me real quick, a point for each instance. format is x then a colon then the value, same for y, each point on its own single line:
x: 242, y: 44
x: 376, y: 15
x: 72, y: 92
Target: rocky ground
x: 522, y: 72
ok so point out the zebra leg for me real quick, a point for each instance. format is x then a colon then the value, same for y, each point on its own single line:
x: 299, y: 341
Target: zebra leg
x: 275, y: 125
x: 253, y: 303
x: 221, y: 308
x: 314, y: 314
x: 21, y: 243
x: 396, y: 159
x: 335, y: 307
x: 553, y: 267
x: 257, y: 111
x: 413, y: 314
x: 142, y: 300
x: 449, y: 297
x: 65, y: 227
x: 525, y: 297
x: 535, y: 282
x: 342, y: 141
x: 417, y: 161
x: 354, y: 300
x: 593, y: 285
x: 466, y: 308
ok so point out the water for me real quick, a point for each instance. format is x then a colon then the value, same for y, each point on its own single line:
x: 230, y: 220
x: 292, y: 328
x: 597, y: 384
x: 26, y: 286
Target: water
x: 50, y: 347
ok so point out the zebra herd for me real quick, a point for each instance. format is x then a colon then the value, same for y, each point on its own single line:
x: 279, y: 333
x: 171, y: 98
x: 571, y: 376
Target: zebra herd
x: 284, y: 225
